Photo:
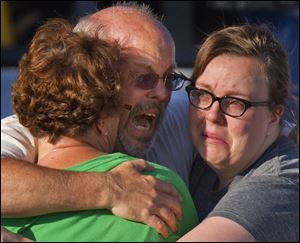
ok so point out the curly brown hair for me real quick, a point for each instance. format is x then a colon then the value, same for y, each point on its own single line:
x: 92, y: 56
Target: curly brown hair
x: 65, y: 81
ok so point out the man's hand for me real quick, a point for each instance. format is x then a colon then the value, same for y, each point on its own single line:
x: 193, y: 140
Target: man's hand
x: 7, y: 236
x: 143, y: 198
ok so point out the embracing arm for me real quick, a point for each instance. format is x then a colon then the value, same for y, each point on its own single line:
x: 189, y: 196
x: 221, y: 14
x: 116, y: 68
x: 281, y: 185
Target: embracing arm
x: 28, y: 190
x: 218, y: 229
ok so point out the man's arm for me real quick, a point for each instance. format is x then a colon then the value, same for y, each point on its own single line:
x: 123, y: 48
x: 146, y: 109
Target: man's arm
x: 28, y: 189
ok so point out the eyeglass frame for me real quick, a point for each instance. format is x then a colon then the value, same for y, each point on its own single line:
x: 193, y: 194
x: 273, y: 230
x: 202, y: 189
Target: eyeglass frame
x: 164, y: 77
x: 247, y: 104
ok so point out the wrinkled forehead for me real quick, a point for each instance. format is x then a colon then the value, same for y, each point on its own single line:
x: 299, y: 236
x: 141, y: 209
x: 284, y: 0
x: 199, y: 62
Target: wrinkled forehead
x: 139, y: 59
x: 139, y: 36
x: 123, y: 23
x: 145, y: 48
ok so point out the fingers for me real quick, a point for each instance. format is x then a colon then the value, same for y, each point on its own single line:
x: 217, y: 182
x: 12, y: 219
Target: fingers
x: 167, y: 209
x: 156, y: 223
x: 166, y: 194
x: 167, y: 188
x: 141, y: 165
x: 173, y: 205
x: 167, y: 216
x: 164, y: 205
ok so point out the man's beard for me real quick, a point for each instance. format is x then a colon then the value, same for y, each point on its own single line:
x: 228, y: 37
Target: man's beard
x: 138, y: 146
x: 137, y: 149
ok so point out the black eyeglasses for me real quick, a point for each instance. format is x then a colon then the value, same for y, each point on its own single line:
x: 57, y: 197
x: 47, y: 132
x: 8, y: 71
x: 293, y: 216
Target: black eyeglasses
x: 173, y: 81
x: 231, y: 106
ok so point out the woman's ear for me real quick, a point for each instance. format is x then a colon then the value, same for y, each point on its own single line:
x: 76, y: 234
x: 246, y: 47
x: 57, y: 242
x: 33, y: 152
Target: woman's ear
x: 276, y: 115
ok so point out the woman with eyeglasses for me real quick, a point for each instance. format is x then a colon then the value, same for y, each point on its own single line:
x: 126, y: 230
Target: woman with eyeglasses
x: 248, y: 187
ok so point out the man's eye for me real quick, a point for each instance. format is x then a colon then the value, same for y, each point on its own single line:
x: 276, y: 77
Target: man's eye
x: 148, y: 78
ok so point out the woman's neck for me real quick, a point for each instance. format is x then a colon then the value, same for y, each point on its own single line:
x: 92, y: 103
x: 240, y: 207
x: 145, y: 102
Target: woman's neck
x: 70, y: 151
x: 226, y: 175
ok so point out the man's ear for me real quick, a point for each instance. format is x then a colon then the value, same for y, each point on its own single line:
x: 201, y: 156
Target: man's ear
x: 101, y: 126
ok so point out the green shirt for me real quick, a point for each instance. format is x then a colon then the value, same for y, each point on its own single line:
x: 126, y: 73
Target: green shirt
x: 102, y: 225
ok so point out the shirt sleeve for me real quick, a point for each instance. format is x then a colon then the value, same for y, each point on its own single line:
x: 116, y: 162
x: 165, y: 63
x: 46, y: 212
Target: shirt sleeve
x: 16, y: 140
x: 266, y: 206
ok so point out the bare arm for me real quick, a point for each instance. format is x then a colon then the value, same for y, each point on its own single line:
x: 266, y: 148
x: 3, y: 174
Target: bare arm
x: 218, y: 229
x: 29, y: 190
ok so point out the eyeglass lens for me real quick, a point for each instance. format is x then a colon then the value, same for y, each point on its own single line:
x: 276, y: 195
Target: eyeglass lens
x: 204, y: 100
x: 149, y: 81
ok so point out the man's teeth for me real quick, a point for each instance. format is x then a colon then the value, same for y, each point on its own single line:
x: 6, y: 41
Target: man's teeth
x: 145, y: 126
x: 144, y: 121
x: 150, y: 114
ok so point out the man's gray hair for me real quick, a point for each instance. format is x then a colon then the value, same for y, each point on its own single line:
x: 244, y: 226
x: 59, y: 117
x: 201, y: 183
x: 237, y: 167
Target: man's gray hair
x: 140, y: 8
x: 89, y: 27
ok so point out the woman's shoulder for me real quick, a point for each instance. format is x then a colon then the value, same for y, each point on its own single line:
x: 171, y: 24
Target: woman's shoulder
x: 285, y: 155
x: 280, y: 161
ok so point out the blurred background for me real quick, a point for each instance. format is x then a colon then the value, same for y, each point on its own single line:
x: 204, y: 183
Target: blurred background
x: 188, y: 21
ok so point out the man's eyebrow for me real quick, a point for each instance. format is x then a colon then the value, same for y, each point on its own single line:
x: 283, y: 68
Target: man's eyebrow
x: 150, y: 69
x: 143, y: 65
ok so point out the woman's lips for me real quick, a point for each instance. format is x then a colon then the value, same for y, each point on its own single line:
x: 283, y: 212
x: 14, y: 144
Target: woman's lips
x: 212, y: 138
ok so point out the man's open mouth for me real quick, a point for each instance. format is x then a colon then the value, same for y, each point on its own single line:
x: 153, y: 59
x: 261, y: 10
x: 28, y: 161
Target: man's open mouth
x: 145, y: 121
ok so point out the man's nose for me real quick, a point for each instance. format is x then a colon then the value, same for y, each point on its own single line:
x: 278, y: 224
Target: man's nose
x: 161, y: 92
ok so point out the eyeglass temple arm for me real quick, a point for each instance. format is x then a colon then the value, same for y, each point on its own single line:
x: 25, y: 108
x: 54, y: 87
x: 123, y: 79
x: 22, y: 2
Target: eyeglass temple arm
x: 184, y: 77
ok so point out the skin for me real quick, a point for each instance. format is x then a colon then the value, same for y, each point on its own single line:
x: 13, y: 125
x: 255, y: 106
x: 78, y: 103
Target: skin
x: 132, y: 138
x: 7, y: 236
x: 154, y: 196
x: 140, y: 56
x: 229, y: 145
x: 232, y: 144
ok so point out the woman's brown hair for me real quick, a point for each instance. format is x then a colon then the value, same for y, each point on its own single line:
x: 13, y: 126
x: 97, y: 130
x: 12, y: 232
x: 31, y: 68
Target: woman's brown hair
x: 65, y: 81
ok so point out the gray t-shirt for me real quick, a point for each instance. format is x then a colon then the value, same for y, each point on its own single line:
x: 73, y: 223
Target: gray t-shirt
x: 264, y: 199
